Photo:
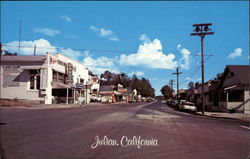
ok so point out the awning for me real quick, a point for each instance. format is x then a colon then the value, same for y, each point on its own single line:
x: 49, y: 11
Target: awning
x: 118, y: 93
x: 230, y: 87
x: 59, y: 85
x: 31, y: 67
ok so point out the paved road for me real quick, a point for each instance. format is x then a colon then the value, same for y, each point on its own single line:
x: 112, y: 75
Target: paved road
x: 69, y: 133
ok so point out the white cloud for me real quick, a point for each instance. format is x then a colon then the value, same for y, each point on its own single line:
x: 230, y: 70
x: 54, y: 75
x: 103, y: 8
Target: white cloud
x: 66, y: 18
x: 108, y: 34
x: 237, y: 52
x: 74, y: 54
x: 100, y: 64
x: 144, y: 38
x: 86, y: 53
x: 42, y: 47
x: 27, y: 47
x: 185, y: 60
x: 149, y: 54
x: 138, y: 73
x: 47, y: 31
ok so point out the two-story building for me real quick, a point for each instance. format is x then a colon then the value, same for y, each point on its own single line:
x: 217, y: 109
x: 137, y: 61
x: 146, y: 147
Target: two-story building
x: 44, y: 79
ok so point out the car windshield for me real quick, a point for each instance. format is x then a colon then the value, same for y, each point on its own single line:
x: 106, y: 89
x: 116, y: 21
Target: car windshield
x: 191, y: 104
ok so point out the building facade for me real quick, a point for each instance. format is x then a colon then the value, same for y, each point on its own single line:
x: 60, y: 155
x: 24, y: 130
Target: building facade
x: 44, y: 79
x: 228, y: 92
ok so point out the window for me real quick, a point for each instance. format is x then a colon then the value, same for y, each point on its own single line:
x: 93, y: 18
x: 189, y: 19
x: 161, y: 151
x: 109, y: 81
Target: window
x: 34, y: 80
x: 59, y: 77
x: 236, y: 96
x: 54, y: 76
x: 37, y: 82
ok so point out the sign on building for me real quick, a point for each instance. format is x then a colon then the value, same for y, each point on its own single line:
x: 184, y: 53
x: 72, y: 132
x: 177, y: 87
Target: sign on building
x: 70, y: 73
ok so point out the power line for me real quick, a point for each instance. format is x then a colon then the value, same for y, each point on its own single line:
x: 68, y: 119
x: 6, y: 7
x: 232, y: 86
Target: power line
x: 78, y: 49
x: 75, y: 49
x: 195, y: 70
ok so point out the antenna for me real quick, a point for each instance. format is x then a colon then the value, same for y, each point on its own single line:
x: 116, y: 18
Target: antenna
x: 20, y: 30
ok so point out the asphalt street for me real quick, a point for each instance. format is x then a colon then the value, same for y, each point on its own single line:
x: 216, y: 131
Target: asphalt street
x: 120, y: 131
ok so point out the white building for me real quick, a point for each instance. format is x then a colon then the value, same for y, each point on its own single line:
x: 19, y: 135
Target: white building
x: 44, y: 79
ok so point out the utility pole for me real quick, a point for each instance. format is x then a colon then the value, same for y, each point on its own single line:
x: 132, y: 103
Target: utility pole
x: 171, y: 83
x: 1, y: 70
x: 20, y: 30
x: 0, y: 53
x: 202, y: 30
x: 177, y: 83
x: 34, y: 50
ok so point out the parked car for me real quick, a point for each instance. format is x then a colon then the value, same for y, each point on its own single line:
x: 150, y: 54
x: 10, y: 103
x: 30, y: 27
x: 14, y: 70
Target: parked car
x: 185, y: 105
x: 148, y: 100
x: 95, y: 98
x: 174, y: 104
x: 132, y: 101
x: 171, y: 103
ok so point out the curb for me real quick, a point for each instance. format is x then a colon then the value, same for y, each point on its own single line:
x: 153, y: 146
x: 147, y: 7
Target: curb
x: 220, y: 117
x: 210, y: 116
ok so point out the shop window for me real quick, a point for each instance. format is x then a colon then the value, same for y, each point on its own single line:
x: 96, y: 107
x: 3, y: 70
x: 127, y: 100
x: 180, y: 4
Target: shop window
x: 236, y: 96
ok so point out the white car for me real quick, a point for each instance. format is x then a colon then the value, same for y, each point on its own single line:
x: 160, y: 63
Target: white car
x: 95, y: 98
x: 185, y: 105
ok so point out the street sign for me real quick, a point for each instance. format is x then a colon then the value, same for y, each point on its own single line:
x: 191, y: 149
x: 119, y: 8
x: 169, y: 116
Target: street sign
x: 79, y: 85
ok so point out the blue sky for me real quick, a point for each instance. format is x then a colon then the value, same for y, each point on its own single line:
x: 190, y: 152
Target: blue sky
x: 145, y: 38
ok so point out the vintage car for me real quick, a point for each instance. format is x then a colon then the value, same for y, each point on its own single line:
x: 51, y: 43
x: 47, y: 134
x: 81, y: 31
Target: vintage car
x: 95, y: 98
x: 185, y: 105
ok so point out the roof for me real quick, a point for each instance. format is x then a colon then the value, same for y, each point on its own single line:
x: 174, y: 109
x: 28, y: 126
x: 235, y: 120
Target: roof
x: 26, y: 58
x: 241, y: 71
x: 106, y: 88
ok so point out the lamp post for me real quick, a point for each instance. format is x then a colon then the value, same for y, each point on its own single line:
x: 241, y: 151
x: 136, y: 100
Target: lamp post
x: 202, y: 30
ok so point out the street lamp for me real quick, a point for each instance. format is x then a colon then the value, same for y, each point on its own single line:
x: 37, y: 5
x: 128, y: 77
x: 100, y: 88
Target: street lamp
x: 202, y: 30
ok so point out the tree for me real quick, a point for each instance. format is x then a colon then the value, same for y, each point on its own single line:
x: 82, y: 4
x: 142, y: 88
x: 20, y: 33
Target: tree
x: 142, y: 85
x: 106, y: 78
x: 167, y: 92
x: 191, y: 85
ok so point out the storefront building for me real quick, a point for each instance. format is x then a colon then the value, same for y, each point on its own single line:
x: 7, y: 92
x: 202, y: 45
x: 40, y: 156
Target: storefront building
x: 44, y: 79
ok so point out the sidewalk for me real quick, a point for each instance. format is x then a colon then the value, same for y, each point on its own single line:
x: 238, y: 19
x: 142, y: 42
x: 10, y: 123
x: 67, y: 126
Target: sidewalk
x: 237, y: 116
x: 58, y: 106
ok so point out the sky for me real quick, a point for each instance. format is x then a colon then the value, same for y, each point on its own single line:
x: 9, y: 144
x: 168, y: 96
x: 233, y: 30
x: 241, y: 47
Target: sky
x: 146, y: 38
